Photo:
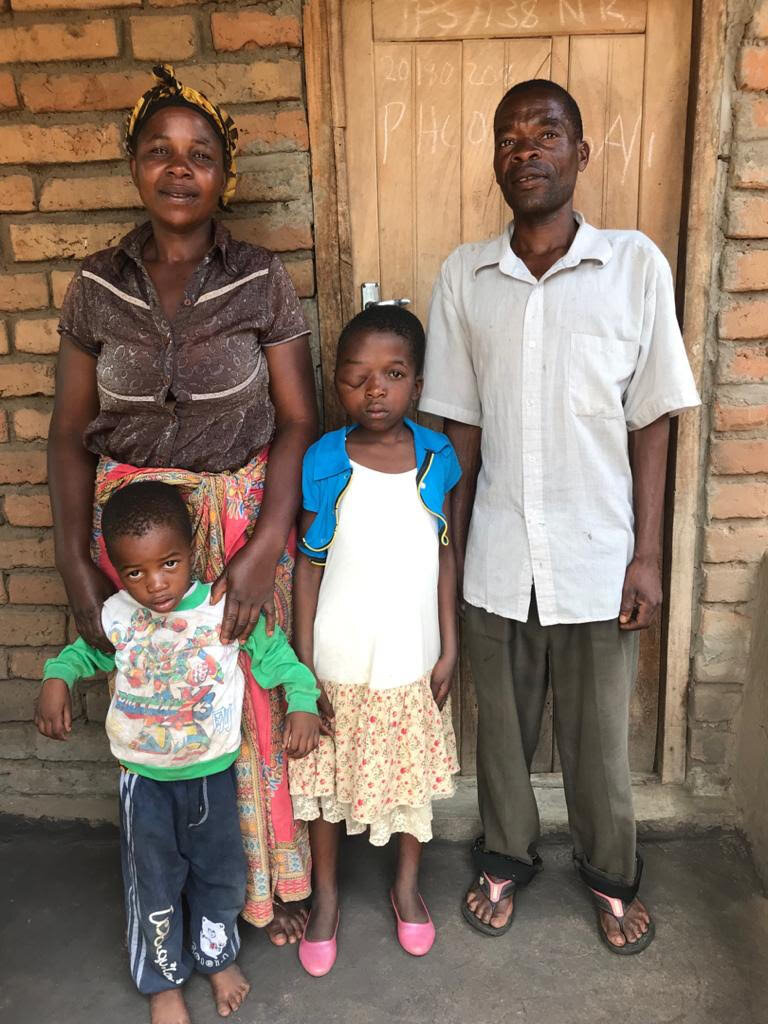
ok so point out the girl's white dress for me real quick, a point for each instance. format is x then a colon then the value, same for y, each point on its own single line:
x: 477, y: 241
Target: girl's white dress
x: 376, y: 640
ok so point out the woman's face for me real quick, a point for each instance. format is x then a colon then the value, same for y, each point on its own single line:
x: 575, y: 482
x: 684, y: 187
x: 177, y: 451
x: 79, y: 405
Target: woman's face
x: 178, y: 168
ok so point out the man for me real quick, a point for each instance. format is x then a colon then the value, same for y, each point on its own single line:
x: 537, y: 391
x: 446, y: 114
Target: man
x: 545, y: 347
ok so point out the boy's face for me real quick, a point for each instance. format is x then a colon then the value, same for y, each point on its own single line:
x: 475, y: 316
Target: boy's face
x: 155, y: 568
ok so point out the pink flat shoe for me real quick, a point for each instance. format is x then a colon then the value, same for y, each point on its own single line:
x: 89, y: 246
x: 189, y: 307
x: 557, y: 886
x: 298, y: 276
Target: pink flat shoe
x: 416, y: 939
x: 317, y: 958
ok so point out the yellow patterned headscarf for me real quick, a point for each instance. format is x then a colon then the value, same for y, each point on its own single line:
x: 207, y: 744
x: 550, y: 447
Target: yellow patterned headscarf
x: 170, y: 92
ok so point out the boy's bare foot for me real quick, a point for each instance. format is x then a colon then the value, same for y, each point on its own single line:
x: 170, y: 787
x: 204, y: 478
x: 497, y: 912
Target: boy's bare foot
x: 287, y: 926
x: 230, y: 987
x: 635, y: 924
x: 168, y: 1007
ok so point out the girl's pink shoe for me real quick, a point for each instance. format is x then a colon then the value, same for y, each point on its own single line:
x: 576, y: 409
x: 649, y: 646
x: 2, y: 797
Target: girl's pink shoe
x: 317, y: 958
x: 416, y: 939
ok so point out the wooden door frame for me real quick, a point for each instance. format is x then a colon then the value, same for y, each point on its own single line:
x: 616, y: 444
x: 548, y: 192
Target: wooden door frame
x: 336, y: 303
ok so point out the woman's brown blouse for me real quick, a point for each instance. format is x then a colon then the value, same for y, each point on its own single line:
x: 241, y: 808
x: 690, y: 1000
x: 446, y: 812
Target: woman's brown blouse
x: 192, y: 392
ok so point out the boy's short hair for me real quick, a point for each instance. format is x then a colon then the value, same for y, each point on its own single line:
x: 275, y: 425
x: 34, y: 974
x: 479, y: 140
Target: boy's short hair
x: 390, y: 320
x: 570, y: 106
x: 135, y: 509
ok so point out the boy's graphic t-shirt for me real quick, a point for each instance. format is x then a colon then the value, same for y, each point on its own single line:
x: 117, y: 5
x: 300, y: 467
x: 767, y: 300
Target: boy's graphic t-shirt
x: 175, y: 712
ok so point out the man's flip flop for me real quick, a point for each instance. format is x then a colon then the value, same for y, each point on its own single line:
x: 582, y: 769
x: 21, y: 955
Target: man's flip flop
x: 617, y: 908
x: 494, y: 892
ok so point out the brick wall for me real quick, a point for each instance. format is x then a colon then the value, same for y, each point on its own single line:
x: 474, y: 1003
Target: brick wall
x: 69, y: 69
x: 735, y: 535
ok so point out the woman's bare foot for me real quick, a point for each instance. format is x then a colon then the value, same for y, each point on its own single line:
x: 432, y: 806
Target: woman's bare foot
x: 482, y: 908
x: 230, y: 987
x: 287, y: 926
x: 168, y: 1007
x: 635, y: 922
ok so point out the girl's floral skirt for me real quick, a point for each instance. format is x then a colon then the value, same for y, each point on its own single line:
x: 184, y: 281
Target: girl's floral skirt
x: 392, y: 753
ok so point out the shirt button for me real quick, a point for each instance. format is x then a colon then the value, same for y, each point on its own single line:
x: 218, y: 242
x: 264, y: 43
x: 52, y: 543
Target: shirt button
x: 187, y: 302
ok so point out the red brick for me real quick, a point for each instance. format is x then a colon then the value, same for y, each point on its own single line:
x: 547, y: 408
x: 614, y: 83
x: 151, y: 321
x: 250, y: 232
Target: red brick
x: 745, y: 270
x: 255, y: 82
x: 96, y: 38
x: 31, y: 424
x: 302, y: 273
x: 253, y: 27
x: 745, y: 363
x: 747, y: 216
x: 42, y: 626
x: 169, y: 3
x: 278, y: 131
x: 4, y: 347
x: 740, y: 417
x: 28, y: 509
x: 738, y: 499
x: 734, y: 456
x: 39, y: 336
x: 282, y: 230
x: 59, y: 143
x: 759, y: 26
x: 35, y: 552
x: 95, y: 90
x: 21, y: 467
x: 273, y: 177
x: 17, y: 193
x: 70, y: 5
x: 109, y: 192
x: 745, y: 318
x: 36, y: 588
x: 3, y: 426
x: 753, y: 67
x: 22, y: 291
x: 8, y: 98
x: 750, y: 164
x: 27, y: 662
x: 729, y: 582
x: 24, y: 378
x: 751, y: 116
x: 171, y: 37
x: 63, y: 241
x: 737, y: 542
x: 60, y: 280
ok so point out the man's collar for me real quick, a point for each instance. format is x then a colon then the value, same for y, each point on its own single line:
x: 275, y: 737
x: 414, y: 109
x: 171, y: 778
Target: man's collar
x: 589, y: 243
x: 132, y: 245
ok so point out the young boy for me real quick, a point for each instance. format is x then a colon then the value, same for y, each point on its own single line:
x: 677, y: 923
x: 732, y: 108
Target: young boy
x: 174, y: 726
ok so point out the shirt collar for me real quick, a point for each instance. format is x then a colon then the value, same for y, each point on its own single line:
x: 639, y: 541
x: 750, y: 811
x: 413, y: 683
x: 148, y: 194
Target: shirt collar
x: 335, y: 459
x: 589, y: 243
x: 132, y: 244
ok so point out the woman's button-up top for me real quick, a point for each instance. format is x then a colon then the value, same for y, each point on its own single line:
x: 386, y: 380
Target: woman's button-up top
x: 191, y: 392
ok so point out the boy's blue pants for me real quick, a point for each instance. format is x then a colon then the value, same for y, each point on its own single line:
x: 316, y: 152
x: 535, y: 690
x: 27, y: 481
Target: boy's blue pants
x: 180, y: 837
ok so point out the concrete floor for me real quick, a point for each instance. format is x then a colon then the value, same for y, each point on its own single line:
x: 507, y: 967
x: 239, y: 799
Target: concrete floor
x: 62, y: 961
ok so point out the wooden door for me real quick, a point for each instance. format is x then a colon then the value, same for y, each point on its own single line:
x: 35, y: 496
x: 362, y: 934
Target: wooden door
x: 422, y: 79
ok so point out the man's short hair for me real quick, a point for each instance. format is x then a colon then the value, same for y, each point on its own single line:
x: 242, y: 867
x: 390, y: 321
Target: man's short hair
x: 391, y: 320
x: 136, y: 509
x: 570, y: 106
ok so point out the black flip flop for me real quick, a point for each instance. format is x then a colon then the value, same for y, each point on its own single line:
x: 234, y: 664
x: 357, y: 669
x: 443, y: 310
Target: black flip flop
x: 617, y: 908
x: 494, y: 892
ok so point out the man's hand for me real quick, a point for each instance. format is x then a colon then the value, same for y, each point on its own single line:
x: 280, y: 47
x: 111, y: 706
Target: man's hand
x: 302, y: 733
x: 441, y: 679
x: 641, y: 595
x: 53, y: 714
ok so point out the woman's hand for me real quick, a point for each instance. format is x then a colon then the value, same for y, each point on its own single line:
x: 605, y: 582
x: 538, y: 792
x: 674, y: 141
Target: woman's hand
x: 442, y: 679
x: 53, y: 713
x: 249, y: 584
x: 87, y: 590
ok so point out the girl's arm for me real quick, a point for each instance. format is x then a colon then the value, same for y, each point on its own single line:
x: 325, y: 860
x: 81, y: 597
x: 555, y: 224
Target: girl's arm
x: 249, y: 578
x: 442, y: 673
x: 306, y: 589
x: 71, y: 476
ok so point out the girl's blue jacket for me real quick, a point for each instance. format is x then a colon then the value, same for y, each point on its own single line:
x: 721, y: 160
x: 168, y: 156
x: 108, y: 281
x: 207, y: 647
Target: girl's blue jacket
x: 327, y: 472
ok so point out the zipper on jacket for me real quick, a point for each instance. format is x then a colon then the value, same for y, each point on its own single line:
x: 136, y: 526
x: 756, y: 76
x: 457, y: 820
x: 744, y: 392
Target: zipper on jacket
x: 325, y: 547
x: 421, y: 476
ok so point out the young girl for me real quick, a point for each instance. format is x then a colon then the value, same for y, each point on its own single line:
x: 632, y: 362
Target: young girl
x: 375, y: 614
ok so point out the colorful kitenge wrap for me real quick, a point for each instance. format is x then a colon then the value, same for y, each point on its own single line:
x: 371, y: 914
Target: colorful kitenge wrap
x: 169, y: 92
x: 224, y: 508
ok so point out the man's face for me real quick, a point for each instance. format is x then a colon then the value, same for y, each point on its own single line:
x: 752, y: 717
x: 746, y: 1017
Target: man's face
x: 537, y: 156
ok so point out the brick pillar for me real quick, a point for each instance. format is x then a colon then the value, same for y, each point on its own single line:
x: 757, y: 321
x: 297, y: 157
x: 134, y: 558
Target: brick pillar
x: 69, y: 70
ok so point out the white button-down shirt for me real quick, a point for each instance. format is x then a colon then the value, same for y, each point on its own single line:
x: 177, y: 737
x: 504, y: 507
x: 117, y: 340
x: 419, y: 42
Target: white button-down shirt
x: 555, y: 371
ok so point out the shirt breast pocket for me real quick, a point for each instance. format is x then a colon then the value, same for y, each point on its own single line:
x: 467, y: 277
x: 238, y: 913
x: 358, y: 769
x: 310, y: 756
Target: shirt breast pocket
x: 599, y: 372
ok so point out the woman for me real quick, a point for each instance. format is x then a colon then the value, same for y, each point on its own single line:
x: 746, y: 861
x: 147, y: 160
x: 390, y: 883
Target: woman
x: 184, y: 356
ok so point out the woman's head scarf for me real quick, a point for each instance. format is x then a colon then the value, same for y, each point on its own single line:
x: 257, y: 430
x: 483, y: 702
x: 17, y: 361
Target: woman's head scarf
x: 169, y: 92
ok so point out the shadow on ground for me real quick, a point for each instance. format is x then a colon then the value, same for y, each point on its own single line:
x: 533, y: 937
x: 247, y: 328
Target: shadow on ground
x: 62, y: 959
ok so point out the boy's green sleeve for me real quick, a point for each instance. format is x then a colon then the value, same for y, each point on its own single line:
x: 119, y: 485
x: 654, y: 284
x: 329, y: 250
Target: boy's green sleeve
x: 77, y: 661
x: 275, y: 663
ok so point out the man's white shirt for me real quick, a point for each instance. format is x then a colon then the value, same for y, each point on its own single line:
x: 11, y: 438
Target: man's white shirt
x: 555, y: 371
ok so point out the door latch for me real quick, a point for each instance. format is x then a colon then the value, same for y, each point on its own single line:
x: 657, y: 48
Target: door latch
x: 370, y: 295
